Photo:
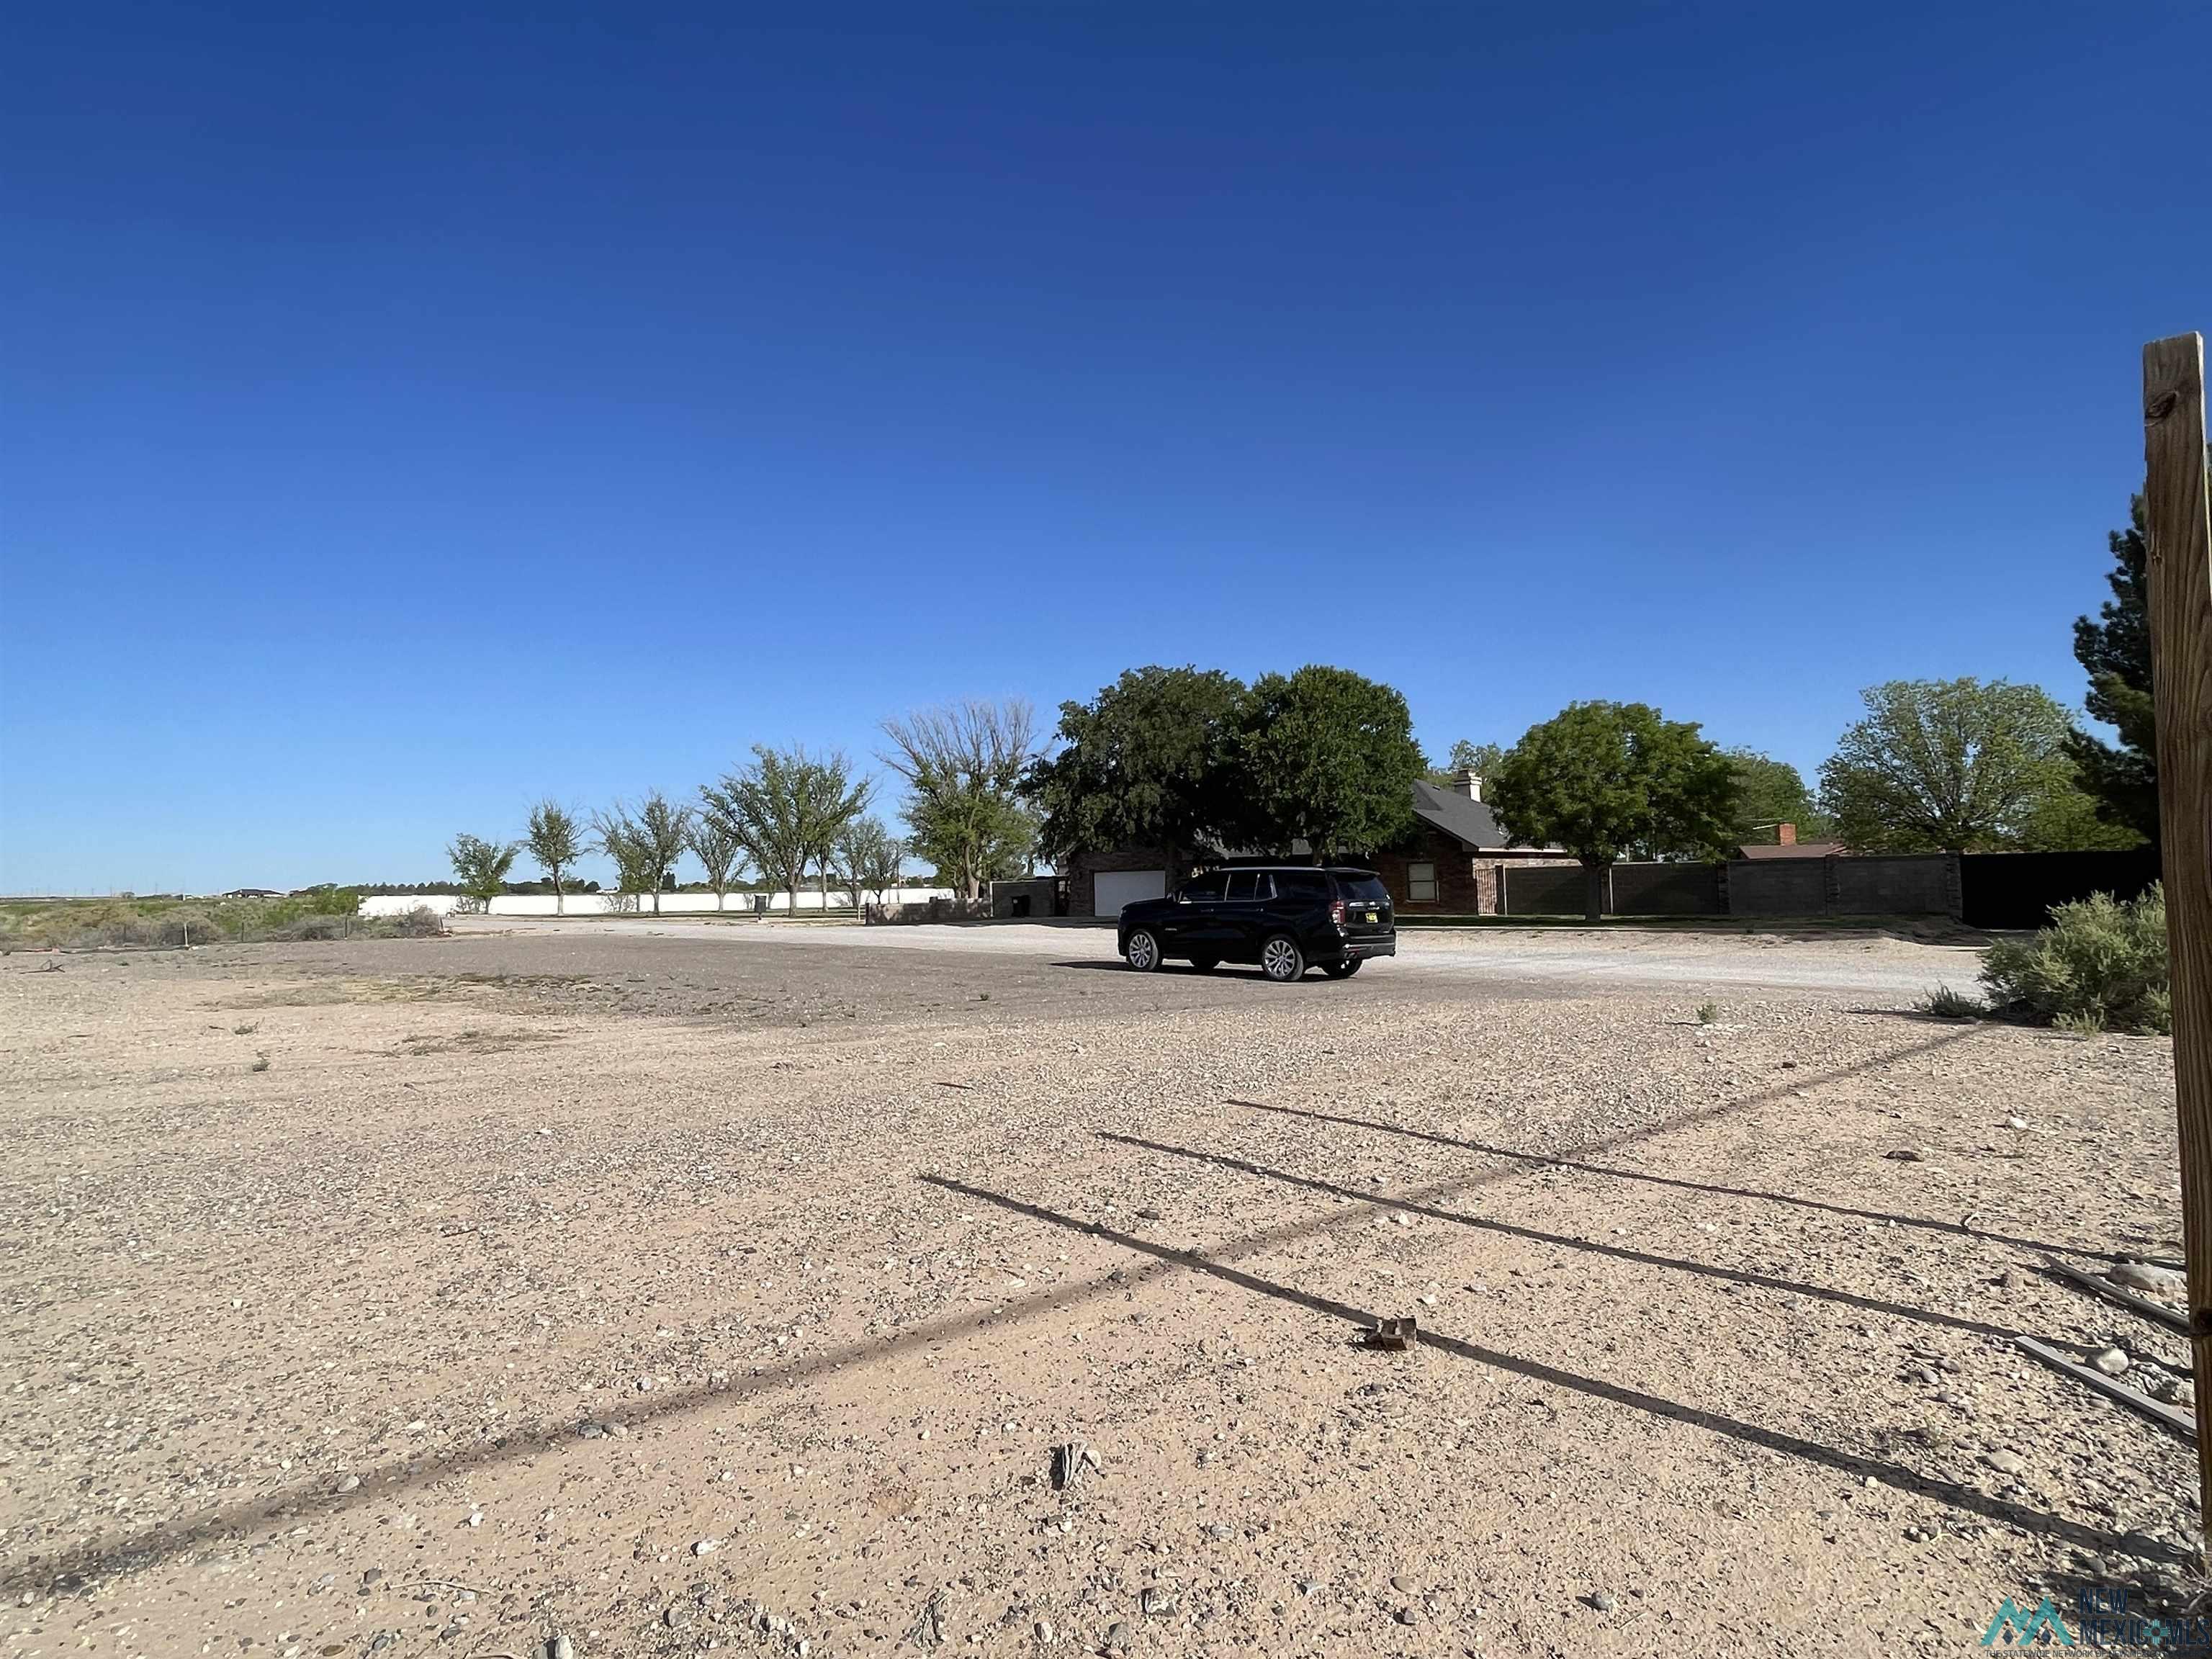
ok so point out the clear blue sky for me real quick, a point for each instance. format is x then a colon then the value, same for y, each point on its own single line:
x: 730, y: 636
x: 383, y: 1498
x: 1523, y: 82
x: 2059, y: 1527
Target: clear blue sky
x: 409, y: 413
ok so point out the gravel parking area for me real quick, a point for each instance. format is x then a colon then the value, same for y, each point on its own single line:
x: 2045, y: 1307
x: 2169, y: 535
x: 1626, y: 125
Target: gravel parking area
x: 659, y: 1288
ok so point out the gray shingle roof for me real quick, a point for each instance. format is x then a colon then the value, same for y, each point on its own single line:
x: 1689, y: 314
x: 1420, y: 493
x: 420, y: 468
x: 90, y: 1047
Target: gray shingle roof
x: 1469, y: 820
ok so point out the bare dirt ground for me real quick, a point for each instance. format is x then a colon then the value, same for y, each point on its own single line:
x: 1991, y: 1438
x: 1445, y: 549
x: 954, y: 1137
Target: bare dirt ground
x: 660, y: 1291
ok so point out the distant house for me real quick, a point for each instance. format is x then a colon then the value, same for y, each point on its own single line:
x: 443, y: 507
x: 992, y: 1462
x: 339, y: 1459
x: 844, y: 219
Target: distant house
x: 1448, y: 865
x: 1787, y: 846
x: 1452, y: 863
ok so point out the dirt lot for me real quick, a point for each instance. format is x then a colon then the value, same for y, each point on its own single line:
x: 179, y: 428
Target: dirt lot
x: 732, y: 1287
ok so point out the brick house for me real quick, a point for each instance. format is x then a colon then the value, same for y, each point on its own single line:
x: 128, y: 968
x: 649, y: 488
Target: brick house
x: 1448, y: 866
x: 1451, y: 864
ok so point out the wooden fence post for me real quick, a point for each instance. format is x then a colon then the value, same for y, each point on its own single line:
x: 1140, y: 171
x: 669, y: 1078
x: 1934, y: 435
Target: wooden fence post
x: 2181, y: 657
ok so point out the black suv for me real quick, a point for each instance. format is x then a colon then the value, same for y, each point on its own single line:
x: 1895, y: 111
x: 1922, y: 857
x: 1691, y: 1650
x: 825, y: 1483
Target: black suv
x: 1286, y: 918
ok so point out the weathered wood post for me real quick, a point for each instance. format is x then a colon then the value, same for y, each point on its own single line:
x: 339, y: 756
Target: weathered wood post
x: 2181, y: 663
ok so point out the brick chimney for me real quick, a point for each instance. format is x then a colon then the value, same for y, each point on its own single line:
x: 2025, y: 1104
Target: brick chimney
x: 1470, y: 785
x: 1785, y: 835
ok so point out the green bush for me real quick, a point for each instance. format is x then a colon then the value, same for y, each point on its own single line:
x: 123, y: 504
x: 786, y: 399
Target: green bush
x: 2100, y: 965
x: 1944, y: 1003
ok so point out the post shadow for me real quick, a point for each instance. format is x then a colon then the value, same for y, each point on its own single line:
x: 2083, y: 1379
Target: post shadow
x: 1543, y: 1160
x: 1949, y: 1494
x: 1562, y: 1241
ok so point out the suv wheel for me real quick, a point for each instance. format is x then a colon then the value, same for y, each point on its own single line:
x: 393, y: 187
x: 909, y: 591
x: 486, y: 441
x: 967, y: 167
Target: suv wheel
x: 1143, y: 952
x: 1342, y: 969
x: 1281, y: 960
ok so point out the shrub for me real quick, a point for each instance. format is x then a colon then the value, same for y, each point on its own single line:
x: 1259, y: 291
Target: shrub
x: 2100, y: 965
x: 1944, y: 1003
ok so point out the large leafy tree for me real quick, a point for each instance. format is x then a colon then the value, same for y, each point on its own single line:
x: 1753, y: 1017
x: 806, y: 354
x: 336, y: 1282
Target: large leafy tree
x: 1327, y: 757
x: 2114, y: 647
x: 1609, y: 780
x: 1479, y: 758
x: 1770, y: 792
x: 645, y: 845
x: 765, y: 806
x: 963, y: 766
x: 480, y: 867
x: 1946, y: 766
x: 556, y: 840
x: 1145, y: 764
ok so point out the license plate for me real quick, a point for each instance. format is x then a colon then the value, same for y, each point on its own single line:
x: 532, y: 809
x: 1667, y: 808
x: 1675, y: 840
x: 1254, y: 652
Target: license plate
x: 1374, y: 916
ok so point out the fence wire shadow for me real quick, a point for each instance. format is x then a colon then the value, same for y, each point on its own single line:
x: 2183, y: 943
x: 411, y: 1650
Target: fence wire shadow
x: 1961, y: 1228
x: 1858, y: 1466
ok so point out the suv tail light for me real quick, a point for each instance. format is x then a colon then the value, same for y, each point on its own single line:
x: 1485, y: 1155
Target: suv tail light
x: 1336, y: 913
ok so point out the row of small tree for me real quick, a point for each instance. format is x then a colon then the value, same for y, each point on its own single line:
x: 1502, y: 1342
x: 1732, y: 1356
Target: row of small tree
x: 788, y: 814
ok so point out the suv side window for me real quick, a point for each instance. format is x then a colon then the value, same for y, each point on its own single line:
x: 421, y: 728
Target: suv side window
x: 1242, y: 890
x: 1207, y: 886
x: 1301, y: 884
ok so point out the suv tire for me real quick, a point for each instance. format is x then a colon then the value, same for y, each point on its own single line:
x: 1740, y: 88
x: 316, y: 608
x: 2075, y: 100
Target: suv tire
x: 1342, y: 969
x: 1142, y: 953
x: 1281, y: 960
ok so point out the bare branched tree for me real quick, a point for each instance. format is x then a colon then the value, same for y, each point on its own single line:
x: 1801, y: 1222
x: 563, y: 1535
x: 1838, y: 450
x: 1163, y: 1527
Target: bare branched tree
x: 644, y: 847
x: 963, y: 765
x: 557, y: 841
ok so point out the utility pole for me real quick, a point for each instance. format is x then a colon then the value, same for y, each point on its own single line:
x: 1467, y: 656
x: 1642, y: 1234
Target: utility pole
x: 2181, y: 672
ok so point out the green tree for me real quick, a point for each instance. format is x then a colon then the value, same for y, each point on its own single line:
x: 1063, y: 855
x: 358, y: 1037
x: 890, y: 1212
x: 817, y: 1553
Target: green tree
x: 963, y: 766
x: 1145, y: 764
x: 556, y: 840
x: 1946, y: 766
x: 1609, y: 780
x: 1768, y: 793
x: 644, y: 846
x: 1480, y: 758
x: 2115, y: 649
x: 1327, y: 757
x: 480, y: 867
x: 763, y: 807
x: 717, y: 849
x: 831, y: 798
x: 869, y: 854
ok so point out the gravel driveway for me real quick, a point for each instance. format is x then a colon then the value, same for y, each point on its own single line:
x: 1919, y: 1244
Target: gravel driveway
x: 656, y: 1294
x: 1843, y: 962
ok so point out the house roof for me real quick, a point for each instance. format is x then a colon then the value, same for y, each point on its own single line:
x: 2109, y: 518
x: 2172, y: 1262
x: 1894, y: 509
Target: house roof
x: 1467, y: 820
x: 1799, y: 849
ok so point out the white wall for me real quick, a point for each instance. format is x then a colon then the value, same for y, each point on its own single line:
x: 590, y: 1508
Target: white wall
x: 672, y: 904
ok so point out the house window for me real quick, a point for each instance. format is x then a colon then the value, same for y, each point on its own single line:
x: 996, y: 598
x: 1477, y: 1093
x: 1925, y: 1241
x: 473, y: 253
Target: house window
x: 1420, y: 884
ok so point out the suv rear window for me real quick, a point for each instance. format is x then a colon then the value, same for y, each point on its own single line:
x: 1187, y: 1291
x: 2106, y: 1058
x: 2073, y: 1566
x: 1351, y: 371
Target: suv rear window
x: 1362, y: 889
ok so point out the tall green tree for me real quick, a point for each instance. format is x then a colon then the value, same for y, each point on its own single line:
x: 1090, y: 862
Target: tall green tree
x: 1610, y: 781
x: 1946, y: 766
x: 646, y: 845
x: 480, y: 867
x: 869, y: 855
x: 1770, y: 792
x: 1327, y: 756
x: 831, y: 798
x: 963, y: 766
x: 764, y: 807
x: 2114, y: 647
x: 556, y: 840
x: 1143, y: 764
x: 717, y: 851
x: 1479, y: 758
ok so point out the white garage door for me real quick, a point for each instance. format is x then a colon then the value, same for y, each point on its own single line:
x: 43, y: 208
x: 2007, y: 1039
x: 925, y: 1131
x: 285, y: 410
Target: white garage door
x: 1119, y: 887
